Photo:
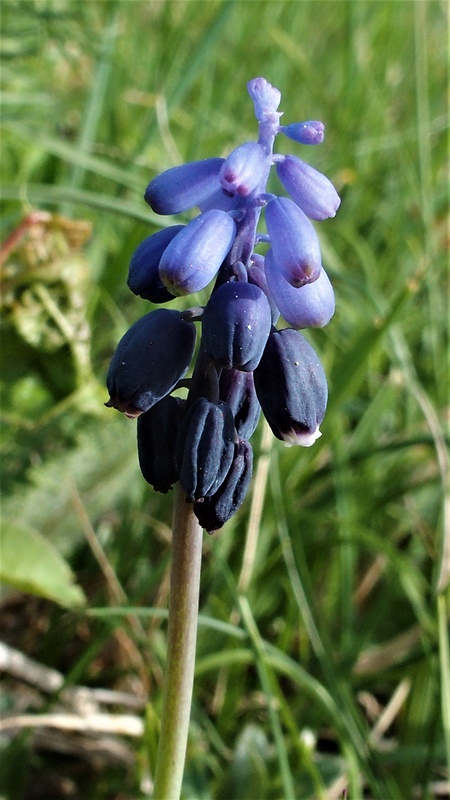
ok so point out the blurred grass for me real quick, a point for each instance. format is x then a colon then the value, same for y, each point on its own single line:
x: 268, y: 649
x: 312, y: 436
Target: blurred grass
x: 336, y: 675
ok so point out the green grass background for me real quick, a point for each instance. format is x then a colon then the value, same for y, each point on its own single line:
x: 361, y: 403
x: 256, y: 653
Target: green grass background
x: 329, y: 672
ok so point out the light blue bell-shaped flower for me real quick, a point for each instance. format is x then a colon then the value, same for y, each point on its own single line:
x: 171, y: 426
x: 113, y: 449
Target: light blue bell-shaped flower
x: 309, y: 306
x: 294, y: 242
x: 180, y: 188
x: 243, y: 169
x: 309, y: 188
x: 193, y: 257
x: 310, y: 132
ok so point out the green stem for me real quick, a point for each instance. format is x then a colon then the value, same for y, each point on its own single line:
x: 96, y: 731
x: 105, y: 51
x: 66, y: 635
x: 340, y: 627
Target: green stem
x: 181, y: 642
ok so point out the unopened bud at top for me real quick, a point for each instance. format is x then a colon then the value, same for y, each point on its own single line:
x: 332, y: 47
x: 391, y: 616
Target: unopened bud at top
x: 266, y: 98
x: 235, y: 325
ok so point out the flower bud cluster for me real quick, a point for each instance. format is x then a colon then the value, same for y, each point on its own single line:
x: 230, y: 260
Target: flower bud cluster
x: 245, y: 365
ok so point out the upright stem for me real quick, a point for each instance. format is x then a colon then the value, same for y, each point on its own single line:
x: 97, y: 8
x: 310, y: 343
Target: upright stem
x: 181, y: 643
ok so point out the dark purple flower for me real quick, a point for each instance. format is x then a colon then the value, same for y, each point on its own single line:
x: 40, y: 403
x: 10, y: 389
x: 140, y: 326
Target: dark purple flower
x: 149, y: 360
x: 205, y: 447
x: 292, y: 388
x: 309, y: 306
x: 143, y: 275
x: 236, y: 323
x: 215, y: 510
x: 157, y: 432
x: 257, y: 275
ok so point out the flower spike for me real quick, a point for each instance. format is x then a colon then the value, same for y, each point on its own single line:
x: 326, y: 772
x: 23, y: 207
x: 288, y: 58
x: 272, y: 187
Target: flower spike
x: 244, y: 366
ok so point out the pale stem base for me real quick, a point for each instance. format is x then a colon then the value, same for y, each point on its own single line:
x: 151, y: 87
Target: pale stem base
x: 181, y: 643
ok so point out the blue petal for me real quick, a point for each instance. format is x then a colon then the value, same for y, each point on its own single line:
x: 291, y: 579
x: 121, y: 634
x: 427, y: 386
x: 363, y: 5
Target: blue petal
x: 294, y: 242
x: 243, y: 169
x: 180, y: 188
x: 309, y: 306
x: 292, y: 388
x: 310, y: 132
x: 310, y: 189
x: 149, y: 360
x: 193, y: 257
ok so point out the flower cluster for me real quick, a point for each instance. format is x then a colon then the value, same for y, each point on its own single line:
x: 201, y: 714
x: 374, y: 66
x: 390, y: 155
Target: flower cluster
x: 244, y: 363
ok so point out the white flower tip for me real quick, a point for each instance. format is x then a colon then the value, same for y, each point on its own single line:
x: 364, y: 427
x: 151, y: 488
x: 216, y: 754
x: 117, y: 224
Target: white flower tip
x: 302, y: 439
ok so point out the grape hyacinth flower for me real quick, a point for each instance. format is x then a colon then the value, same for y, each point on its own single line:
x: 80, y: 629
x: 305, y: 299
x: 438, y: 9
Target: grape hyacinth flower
x: 248, y: 362
x: 238, y: 323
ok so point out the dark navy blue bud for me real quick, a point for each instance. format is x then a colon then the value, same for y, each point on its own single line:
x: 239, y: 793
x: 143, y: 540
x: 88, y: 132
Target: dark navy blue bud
x: 217, y: 509
x: 143, y: 275
x: 237, y: 388
x: 180, y: 188
x: 149, y: 360
x: 292, y: 388
x: 205, y: 447
x: 157, y: 432
x: 236, y: 323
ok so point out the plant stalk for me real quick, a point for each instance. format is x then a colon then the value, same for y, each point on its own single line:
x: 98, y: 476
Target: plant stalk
x: 181, y: 643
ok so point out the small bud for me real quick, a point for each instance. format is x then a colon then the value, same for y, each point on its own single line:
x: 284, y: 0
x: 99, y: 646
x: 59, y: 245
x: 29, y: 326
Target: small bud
x: 311, y: 132
x: 237, y: 388
x: 205, y: 447
x: 243, y: 168
x: 143, y: 275
x: 180, y: 188
x: 193, y: 257
x: 235, y: 326
x: 216, y: 510
x: 157, y: 431
x: 149, y: 360
x: 291, y: 386
x: 294, y: 242
x: 309, y: 306
x: 312, y: 191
